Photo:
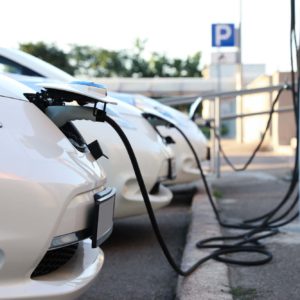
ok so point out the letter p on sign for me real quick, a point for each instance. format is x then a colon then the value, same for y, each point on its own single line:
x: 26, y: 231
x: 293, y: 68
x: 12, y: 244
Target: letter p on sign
x: 223, y: 35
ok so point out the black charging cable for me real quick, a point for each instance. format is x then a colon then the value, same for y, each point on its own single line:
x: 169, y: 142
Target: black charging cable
x: 249, y: 241
x: 293, y: 184
x: 268, y: 225
x: 256, y: 149
x: 246, y: 242
x: 258, y: 146
x: 295, y: 94
x: 267, y: 217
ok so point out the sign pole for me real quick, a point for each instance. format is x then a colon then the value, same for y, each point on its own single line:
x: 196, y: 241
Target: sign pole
x: 217, y: 117
x: 222, y: 36
x: 239, y: 82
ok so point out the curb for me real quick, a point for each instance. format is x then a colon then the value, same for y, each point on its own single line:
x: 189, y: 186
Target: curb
x: 210, y: 281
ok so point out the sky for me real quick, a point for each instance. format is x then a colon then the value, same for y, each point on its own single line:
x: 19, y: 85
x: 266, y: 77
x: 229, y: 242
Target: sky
x: 176, y: 28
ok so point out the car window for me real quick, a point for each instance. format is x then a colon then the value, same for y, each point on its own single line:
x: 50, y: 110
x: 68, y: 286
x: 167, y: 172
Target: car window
x: 9, y: 66
x: 127, y: 98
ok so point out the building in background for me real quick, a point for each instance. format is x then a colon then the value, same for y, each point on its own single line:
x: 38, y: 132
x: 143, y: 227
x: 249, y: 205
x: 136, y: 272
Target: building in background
x: 282, y: 129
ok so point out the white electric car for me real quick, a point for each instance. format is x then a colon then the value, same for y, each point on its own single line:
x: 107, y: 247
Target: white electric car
x: 21, y: 63
x: 186, y: 167
x: 53, y: 199
x: 156, y: 159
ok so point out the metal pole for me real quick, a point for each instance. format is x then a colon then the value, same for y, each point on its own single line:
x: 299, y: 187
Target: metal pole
x: 217, y: 119
x: 217, y: 141
x: 219, y: 86
x: 224, y: 95
x: 239, y: 81
x: 212, y: 109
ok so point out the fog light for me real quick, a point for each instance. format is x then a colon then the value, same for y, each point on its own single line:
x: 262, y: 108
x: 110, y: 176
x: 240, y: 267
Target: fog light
x: 69, y: 238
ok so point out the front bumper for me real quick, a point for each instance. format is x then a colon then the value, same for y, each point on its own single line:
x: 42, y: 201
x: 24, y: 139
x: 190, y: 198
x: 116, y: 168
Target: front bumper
x: 133, y: 202
x: 97, y: 220
x: 187, y: 170
x: 59, y: 274
x: 67, y: 282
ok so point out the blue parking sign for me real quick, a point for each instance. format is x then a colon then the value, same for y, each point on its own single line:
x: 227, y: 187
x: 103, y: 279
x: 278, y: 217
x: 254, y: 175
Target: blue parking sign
x: 223, y: 35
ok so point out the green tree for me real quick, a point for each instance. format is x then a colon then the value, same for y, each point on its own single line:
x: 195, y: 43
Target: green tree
x: 138, y: 65
x: 49, y: 53
x: 178, y: 65
x: 81, y: 58
x: 192, y: 65
x: 111, y: 63
x: 99, y: 62
x: 159, y: 65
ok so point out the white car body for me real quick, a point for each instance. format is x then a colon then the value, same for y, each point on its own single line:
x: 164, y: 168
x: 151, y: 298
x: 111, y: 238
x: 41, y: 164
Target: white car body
x: 186, y: 167
x: 156, y: 161
x: 47, y: 191
x: 154, y: 157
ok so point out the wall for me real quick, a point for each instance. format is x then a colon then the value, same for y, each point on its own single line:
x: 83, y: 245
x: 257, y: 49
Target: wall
x: 253, y: 127
x: 282, y: 128
x: 284, y: 123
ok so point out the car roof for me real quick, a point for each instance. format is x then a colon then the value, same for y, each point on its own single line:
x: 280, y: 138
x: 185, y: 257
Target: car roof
x: 37, y: 65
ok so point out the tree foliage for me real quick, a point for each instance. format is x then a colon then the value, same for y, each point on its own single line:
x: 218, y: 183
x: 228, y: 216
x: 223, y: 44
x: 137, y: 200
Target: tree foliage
x: 99, y: 62
x: 49, y: 53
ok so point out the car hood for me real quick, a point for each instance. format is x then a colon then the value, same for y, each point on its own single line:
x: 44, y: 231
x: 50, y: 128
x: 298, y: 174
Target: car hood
x: 10, y: 88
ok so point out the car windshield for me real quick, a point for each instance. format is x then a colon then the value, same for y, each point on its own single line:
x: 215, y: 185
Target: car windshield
x: 127, y: 98
x: 9, y: 66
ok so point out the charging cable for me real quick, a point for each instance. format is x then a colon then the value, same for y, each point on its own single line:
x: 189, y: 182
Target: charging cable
x: 247, y: 242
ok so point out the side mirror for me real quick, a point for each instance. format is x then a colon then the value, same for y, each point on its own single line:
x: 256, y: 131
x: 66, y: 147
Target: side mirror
x: 196, y: 109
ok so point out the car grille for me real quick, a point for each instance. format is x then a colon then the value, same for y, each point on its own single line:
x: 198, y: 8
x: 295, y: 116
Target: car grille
x: 54, y: 259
